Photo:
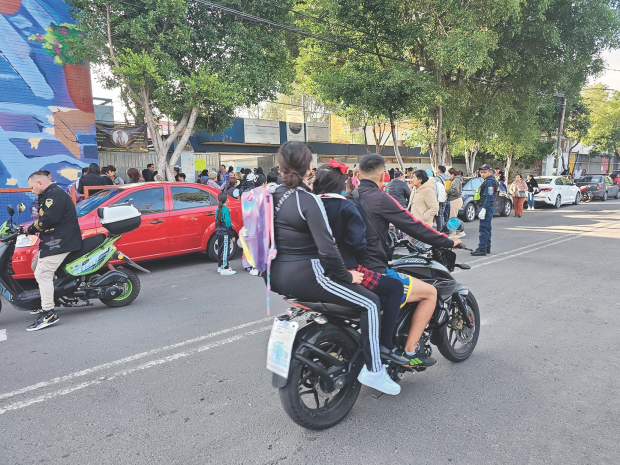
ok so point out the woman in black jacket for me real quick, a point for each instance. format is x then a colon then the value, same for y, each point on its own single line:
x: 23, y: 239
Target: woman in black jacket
x: 532, y: 186
x: 93, y: 178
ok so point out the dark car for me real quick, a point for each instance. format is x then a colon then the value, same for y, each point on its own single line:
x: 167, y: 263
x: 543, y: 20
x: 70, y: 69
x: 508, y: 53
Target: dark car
x: 469, y: 211
x: 601, y: 186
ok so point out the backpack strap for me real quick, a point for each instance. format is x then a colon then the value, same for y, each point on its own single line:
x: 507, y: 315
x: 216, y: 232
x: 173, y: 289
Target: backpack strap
x: 370, y: 220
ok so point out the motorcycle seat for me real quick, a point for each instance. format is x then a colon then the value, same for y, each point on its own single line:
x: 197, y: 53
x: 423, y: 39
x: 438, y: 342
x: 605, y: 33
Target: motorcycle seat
x: 332, y: 309
x: 88, y: 244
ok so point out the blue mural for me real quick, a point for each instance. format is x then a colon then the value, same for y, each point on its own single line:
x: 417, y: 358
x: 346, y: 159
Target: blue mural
x: 46, y: 110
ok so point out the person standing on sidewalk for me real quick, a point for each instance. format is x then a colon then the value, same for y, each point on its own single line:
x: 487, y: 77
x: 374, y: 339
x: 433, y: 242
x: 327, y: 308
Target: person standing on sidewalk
x: 518, y: 190
x: 223, y: 229
x: 488, y: 192
x: 532, y: 187
x: 454, y: 192
x: 399, y: 189
x: 59, y: 233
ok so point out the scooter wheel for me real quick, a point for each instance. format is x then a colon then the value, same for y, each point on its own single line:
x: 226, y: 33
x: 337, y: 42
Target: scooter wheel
x: 132, y: 289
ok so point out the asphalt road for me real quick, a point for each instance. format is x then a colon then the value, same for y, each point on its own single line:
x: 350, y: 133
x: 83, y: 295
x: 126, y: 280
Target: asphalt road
x: 179, y: 376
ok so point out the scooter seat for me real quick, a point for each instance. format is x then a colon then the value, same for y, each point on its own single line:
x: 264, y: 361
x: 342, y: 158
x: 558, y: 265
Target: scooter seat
x: 333, y: 309
x: 88, y: 245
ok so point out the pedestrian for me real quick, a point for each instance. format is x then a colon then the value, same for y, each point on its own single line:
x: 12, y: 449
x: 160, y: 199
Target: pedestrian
x: 231, y: 171
x: 272, y: 179
x: 222, y: 176
x: 423, y: 203
x: 92, y: 178
x: 112, y: 175
x: 223, y: 229
x: 399, y: 189
x: 259, y: 178
x: 204, y: 176
x: 149, y: 173
x: 212, y: 182
x: 488, y: 193
x: 441, y: 178
x: 177, y: 170
x: 578, y: 173
x: 181, y: 177
x: 502, y: 183
x: 455, y: 192
x: 134, y: 176
x: 391, y: 173
x: 518, y: 189
x: 617, y: 179
x: 232, y: 190
x: 59, y: 234
x: 532, y: 190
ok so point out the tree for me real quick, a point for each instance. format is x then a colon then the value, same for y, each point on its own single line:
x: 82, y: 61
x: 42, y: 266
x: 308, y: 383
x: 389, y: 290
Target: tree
x: 604, y: 131
x: 180, y: 59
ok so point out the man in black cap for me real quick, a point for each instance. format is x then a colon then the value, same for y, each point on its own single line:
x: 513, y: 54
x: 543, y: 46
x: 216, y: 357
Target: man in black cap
x: 488, y: 192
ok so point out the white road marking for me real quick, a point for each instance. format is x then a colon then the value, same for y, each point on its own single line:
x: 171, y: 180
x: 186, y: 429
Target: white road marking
x: 126, y: 360
x: 161, y: 361
x: 3, y: 336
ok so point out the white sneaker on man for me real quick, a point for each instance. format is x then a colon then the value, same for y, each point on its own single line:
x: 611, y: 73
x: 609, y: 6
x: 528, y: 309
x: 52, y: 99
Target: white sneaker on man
x: 379, y: 380
x: 227, y: 272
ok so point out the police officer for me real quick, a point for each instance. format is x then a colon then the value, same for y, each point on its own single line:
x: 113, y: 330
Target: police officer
x: 59, y: 234
x: 488, y: 192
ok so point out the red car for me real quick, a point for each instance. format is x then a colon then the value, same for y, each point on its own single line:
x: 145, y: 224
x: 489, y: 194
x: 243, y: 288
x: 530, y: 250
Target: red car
x: 176, y: 219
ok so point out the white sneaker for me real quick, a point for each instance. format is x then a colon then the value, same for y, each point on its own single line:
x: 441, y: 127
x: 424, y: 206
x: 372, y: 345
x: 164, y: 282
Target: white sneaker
x: 254, y: 272
x: 227, y: 271
x: 379, y: 380
x: 219, y: 269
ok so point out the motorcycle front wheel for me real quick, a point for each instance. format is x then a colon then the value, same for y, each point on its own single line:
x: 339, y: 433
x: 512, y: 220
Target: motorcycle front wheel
x: 457, y: 344
x: 304, y: 399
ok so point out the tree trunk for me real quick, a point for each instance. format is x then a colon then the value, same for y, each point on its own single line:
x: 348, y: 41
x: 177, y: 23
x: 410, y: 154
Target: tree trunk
x: 508, y: 166
x: 439, y: 135
x: 365, y: 136
x: 396, y: 150
x: 181, y: 144
x: 467, y: 163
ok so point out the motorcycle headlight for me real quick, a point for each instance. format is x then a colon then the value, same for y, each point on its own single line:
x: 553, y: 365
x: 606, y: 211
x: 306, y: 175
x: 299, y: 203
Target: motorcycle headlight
x: 25, y: 241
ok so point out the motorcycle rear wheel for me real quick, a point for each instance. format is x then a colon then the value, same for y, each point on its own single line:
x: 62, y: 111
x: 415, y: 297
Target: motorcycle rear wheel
x: 455, y: 344
x: 303, y: 394
x: 132, y: 289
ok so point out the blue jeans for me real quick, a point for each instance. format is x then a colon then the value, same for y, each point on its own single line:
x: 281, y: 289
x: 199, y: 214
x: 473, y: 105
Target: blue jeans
x: 485, y: 230
x: 530, y: 200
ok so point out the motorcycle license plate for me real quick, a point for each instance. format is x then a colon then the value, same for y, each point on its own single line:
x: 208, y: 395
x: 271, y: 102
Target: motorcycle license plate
x: 280, y: 346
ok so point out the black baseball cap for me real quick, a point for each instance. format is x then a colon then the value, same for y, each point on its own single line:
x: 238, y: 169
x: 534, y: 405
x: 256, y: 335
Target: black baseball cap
x: 486, y: 166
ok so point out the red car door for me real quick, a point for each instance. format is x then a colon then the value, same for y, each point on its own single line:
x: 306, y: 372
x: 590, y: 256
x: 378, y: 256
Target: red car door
x: 193, y: 211
x: 152, y: 238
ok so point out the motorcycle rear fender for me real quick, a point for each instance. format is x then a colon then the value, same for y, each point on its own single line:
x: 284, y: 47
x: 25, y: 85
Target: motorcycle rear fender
x: 308, y: 336
x: 111, y: 277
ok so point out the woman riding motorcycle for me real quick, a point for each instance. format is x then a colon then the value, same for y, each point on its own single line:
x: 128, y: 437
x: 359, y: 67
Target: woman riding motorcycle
x: 305, y: 244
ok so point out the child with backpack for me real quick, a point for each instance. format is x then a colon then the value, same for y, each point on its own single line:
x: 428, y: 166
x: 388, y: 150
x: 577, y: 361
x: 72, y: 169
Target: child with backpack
x: 224, y: 231
x: 349, y: 230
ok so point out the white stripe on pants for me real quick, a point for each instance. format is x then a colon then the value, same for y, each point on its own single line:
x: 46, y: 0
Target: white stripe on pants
x: 44, y: 269
x: 369, y: 305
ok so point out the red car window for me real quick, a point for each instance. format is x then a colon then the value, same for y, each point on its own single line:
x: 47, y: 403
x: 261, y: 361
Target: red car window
x: 146, y: 200
x: 191, y: 197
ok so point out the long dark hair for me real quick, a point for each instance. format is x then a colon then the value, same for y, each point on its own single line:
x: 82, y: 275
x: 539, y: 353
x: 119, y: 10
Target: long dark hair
x: 133, y: 174
x: 329, y: 180
x: 222, y: 198
x: 294, y: 159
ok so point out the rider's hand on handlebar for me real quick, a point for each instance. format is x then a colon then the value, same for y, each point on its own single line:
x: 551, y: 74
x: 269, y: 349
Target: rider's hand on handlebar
x: 456, y: 241
x: 357, y: 276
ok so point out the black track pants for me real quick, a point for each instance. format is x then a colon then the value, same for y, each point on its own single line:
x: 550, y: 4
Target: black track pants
x: 222, y: 250
x: 306, y: 280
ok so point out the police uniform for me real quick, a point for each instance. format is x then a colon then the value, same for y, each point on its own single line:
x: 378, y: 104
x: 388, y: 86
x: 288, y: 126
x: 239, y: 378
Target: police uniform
x: 59, y: 233
x: 488, y: 192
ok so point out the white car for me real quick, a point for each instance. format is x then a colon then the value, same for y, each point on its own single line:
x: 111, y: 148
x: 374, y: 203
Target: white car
x: 556, y: 191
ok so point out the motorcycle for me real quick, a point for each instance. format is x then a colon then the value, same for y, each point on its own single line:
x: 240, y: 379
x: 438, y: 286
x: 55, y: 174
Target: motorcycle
x: 81, y: 277
x: 586, y: 195
x: 315, y: 349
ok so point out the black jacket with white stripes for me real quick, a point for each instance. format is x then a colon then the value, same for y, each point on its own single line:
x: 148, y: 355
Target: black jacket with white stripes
x: 302, y: 232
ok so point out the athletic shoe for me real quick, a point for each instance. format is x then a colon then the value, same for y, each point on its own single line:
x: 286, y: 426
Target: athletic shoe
x: 479, y: 253
x: 254, y: 272
x: 227, y: 272
x: 418, y: 357
x: 36, y: 312
x: 219, y: 269
x: 45, y: 319
x: 379, y: 380
x: 393, y: 356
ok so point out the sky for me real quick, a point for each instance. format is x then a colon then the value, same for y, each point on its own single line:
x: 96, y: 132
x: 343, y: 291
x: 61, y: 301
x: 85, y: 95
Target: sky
x: 610, y: 78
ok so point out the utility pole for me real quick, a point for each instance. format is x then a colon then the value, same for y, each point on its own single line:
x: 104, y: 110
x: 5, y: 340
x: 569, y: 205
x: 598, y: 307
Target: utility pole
x: 558, y: 148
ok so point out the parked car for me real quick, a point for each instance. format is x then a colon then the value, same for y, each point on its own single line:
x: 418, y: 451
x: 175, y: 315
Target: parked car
x: 556, y: 191
x: 469, y: 211
x: 176, y: 219
x: 601, y: 186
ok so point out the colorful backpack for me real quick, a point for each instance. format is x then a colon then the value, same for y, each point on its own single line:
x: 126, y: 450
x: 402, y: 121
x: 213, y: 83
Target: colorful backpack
x: 257, y: 234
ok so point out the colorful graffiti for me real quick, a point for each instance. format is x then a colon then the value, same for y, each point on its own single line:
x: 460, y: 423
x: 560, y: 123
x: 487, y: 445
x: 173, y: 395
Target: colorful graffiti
x: 46, y: 108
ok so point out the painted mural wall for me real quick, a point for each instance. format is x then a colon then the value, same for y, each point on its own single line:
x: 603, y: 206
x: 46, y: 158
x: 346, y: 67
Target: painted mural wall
x: 46, y: 108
